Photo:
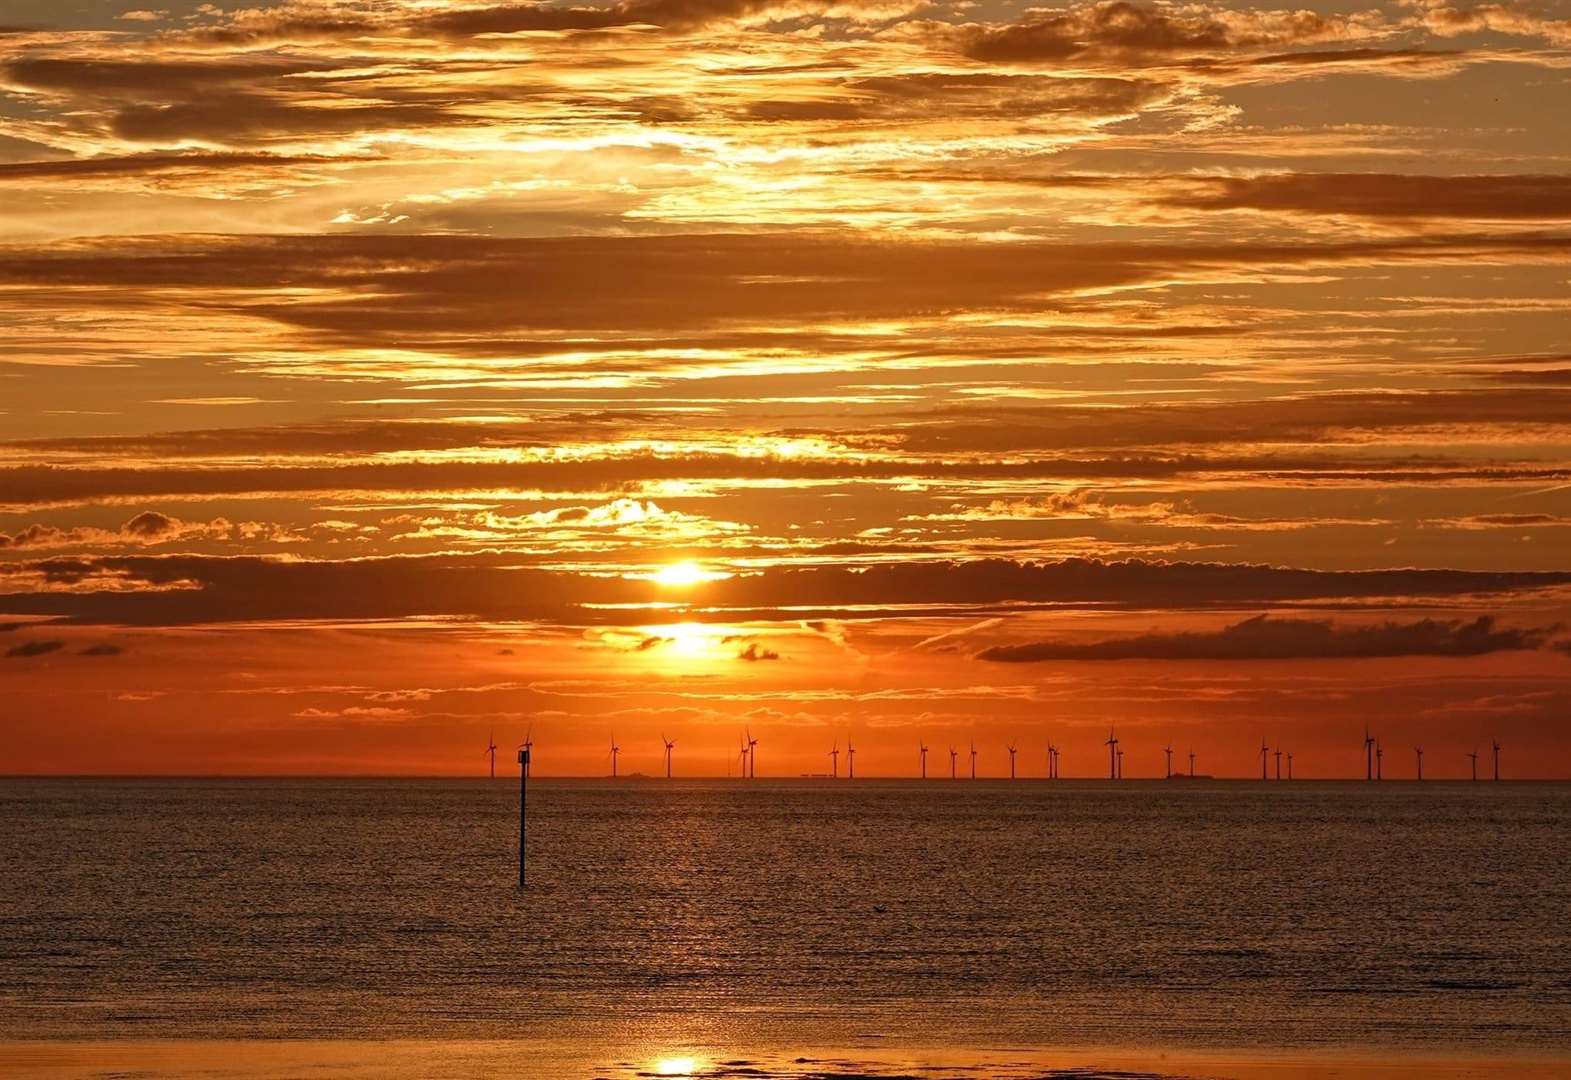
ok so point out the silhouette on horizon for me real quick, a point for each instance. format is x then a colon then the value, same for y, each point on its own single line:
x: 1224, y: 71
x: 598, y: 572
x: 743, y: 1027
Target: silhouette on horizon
x: 973, y: 759
x: 1011, y: 747
x: 1112, y: 753
x: 1494, y: 745
x: 670, y: 744
x: 1473, y: 756
x: 834, y: 758
x: 1419, y: 750
x: 1369, y: 754
x: 490, y: 748
x: 954, y: 755
x: 1168, y: 750
x: 615, y: 750
x: 923, y: 747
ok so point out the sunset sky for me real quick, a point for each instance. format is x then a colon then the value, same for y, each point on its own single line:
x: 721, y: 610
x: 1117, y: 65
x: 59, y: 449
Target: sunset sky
x: 379, y: 373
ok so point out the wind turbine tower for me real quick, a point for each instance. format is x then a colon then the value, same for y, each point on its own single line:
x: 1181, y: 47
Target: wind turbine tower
x: 1011, y: 760
x: 1112, y: 754
x: 954, y: 756
x: 923, y: 747
x: 973, y: 760
x: 1495, y: 746
x: 1474, y: 757
x: 1369, y: 754
x: 490, y: 748
x: 1419, y: 750
x: 670, y: 744
x: 752, y: 757
x: 834, y: 757
x: 850, y: 759
x: 1279, y: 763
x: 615, y: 750
x: 1168, y: 750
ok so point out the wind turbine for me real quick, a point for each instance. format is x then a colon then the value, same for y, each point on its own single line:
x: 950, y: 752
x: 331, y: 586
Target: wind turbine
x: 1380, y: 754
x: 490, y: 748
x: 834, y: 756
x: 923, y: 746
x: 1494, y: 745
x: 670, y: 744
x: 954, y: 756
x: 1289, y: 764
x: 1474, y: 757
x: 1120, y: 764
x: 752, y: 757
x: 527, y: 745
x: 1369, y: 754
x: 850, y: 759
x: 1168, y: 750
x: 1264, y: 751
x: 1419, y: 750
x: 615, y: 750
x: 1112, y: 754
x: 973, y: 759
x: 1279, y: 763
x: 1052, y: 762
x: 1191, y: 763
x: 741, y: 753
x: 1011, y: 747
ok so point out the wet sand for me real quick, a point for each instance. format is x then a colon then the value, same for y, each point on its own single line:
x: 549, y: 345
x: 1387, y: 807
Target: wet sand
x: 529, y: 1060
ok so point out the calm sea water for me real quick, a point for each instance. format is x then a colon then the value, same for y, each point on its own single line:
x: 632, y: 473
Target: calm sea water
x: 778, y: 913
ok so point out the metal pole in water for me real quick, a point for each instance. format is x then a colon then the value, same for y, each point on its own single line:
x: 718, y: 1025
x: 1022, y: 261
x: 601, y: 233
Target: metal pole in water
x: 523, y: 790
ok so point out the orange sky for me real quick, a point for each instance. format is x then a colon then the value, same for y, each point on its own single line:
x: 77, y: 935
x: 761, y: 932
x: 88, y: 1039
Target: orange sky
x: 993, y: 373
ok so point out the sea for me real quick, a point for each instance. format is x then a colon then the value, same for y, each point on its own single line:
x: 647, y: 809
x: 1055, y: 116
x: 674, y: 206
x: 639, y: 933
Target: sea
x: 663, y: 919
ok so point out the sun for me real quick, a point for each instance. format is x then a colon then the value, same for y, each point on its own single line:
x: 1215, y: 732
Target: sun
x: 684, y: 574
x: 675, y: 1066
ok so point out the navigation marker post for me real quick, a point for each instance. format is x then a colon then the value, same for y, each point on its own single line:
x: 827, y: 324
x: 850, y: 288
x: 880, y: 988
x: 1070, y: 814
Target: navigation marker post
x: 523, y: 790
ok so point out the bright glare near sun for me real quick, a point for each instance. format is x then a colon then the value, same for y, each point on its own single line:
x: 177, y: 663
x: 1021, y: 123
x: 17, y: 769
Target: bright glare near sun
x: 682, y: 574
x: 675, y: 1066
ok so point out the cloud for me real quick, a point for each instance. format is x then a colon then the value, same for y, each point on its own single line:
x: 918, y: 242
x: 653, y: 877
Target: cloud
x: 453, y: 294
x: 102, y: 650
x: 755, y: 652
x: 146, y: 529
x: 1266, y: 638
x: 1520, y: 197
x: 189, y: 589
x: 131, y: 166
x: 1116, y: 31
x: 34, y: 648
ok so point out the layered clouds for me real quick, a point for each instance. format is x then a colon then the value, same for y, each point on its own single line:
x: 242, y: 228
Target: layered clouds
x: 810, y: 365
